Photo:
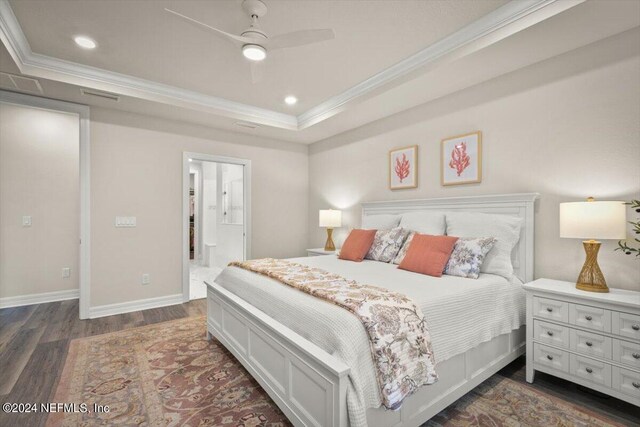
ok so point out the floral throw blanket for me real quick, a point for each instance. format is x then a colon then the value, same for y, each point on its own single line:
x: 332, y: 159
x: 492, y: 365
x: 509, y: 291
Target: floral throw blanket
x: 397, y: 331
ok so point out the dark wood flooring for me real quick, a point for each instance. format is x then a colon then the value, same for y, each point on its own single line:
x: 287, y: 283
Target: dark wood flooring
x: 34, y: 341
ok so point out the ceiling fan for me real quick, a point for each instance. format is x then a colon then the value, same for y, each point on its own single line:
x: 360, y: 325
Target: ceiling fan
x: 254, y: 42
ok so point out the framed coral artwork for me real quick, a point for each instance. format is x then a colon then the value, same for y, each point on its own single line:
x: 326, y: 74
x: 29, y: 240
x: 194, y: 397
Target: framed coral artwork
x: 461, y: 159
x: 403, y: 168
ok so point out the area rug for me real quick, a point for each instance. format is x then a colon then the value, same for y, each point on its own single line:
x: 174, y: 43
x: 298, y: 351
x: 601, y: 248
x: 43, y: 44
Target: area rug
x: 169, y: 374
x: 502, y: 402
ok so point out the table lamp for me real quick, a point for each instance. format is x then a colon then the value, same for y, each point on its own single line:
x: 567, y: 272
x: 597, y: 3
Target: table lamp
x: 330, y: 219
x: 592, y: 220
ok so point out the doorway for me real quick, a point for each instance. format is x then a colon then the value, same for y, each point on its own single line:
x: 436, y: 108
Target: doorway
x: 77, y: 232
x: 216, y: 218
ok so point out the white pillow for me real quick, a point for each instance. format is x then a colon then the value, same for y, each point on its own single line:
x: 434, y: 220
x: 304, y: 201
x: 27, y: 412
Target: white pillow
x: 424, y: 222
x: 506, y: 230
x: 380, y: 222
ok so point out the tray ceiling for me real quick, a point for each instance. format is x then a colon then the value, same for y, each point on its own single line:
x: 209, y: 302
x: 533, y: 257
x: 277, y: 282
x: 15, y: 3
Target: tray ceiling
x: 403, y: 55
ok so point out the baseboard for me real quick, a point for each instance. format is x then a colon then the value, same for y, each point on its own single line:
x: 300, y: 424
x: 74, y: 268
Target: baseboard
x: 21, y: 300
x: 129, y: 306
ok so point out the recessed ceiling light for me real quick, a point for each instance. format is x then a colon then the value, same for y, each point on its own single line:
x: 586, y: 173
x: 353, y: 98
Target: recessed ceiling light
x: 291, y: 100
x: 191, y: 160
x: 85, y: 42
x: 254, y: 52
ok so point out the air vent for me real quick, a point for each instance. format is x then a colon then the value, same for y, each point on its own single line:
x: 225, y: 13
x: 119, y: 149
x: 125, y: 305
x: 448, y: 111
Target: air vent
x: 100, y: 94
x: 248, y: 125
x: 20, y: 83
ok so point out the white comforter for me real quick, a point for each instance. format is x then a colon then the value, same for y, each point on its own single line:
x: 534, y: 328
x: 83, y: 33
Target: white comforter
x: 461, y: 313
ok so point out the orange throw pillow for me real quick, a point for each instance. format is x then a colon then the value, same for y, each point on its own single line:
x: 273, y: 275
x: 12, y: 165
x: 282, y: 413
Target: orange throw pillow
x: 428, y: 254
x: 357, y: 245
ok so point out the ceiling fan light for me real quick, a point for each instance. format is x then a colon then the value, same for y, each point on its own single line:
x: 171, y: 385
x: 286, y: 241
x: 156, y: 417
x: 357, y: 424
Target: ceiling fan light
x: 254, y: 52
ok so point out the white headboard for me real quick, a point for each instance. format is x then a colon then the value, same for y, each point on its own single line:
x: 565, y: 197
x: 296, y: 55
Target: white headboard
x: 520, y: 205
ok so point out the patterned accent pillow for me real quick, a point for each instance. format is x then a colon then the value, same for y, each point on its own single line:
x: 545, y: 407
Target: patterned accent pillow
x: 405, y: 247
x: 467, y: 256
x: 386, y: 244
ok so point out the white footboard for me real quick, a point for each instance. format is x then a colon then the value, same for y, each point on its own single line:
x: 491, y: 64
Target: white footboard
x: 309, y: 385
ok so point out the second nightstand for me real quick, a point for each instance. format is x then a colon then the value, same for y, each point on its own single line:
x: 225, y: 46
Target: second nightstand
x: 319, y: 251
x: 589, y: 338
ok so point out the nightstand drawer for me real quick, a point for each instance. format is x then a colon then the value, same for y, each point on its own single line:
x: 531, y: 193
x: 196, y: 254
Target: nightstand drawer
x: 626, y: 381
x: 551, y: 357
x: 551, y: 309
x: 627, y: 353
x: 550, y: 333
x: 626, y: 325
x: 589, y: 317
x: 591, y: 370
x: 590, y: 344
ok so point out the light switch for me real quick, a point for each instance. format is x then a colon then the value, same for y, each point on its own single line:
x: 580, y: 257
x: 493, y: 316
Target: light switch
x: 125, y: 221
x: 26, y: 221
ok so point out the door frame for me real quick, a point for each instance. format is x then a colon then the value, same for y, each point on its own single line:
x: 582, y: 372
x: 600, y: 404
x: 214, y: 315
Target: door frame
x: 246, y: 176
x: 83, y: 112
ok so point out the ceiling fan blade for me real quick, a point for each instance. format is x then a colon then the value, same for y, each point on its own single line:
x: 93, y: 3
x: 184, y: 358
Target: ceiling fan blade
x: 256, y: 71
x: 231, y: 37
x: 299, y: 38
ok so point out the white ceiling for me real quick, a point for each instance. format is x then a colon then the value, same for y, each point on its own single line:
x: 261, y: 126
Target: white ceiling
x: 138, y: 39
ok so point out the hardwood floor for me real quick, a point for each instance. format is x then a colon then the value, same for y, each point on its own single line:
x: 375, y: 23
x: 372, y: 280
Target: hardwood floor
x: 34, y: 341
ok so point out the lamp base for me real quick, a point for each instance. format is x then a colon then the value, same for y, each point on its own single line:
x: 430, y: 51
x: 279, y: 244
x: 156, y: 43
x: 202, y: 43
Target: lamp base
x: 329, y: 245
x: 591, y: 278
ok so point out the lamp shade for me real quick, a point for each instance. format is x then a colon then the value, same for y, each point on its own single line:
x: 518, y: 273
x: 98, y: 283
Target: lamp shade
x: 330, y: 218
x: 593, y: 220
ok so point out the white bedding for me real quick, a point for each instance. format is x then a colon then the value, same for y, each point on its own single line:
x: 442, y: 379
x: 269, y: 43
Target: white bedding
x: 461, y: 313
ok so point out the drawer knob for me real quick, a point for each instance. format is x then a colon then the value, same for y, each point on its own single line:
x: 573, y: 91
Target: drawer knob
x: 589, y: 343
x: 636, y: 384
x: 635, y: 327
x: 549, y: 309
x: 550, y: 333
x: 589, y: 318
x: 550, y: 357
x: 589, y: 370
x: 636, y: 355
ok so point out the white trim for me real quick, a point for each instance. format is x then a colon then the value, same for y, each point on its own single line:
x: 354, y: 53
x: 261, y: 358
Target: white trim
x: 83, y: 113
x: 185, y: 208
x: 21, y: 300
x: 137, y: 305
x: 517, y: 13
x: 519, y: 204
x: 501, y: 23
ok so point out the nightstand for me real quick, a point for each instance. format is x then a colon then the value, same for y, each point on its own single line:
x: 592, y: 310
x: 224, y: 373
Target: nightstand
x: 589, y: 338
x: 319, y: 251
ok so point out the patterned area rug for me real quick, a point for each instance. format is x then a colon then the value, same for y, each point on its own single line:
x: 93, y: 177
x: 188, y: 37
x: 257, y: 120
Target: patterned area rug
x: 168, y: 374
x: 501, y: 402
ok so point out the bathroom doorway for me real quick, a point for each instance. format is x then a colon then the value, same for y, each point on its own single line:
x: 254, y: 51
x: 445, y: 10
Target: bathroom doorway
x: 216, y: 216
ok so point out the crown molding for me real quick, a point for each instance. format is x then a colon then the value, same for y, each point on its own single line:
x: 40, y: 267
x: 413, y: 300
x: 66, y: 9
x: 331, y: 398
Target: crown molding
x: 511, y: 18
x: 47, y: 67
x: 491, y: 28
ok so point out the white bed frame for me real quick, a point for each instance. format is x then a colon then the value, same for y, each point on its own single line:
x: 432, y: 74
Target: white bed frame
x: 309, y: 385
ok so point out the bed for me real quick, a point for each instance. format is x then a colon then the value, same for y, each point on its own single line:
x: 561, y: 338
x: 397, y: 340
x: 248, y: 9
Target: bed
x: 312, y: 357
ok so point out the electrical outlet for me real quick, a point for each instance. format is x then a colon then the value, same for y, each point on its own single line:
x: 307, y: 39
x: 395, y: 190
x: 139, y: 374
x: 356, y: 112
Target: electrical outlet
x: 66, y: 272
x: 26, y: 221
x: 146, y: 279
